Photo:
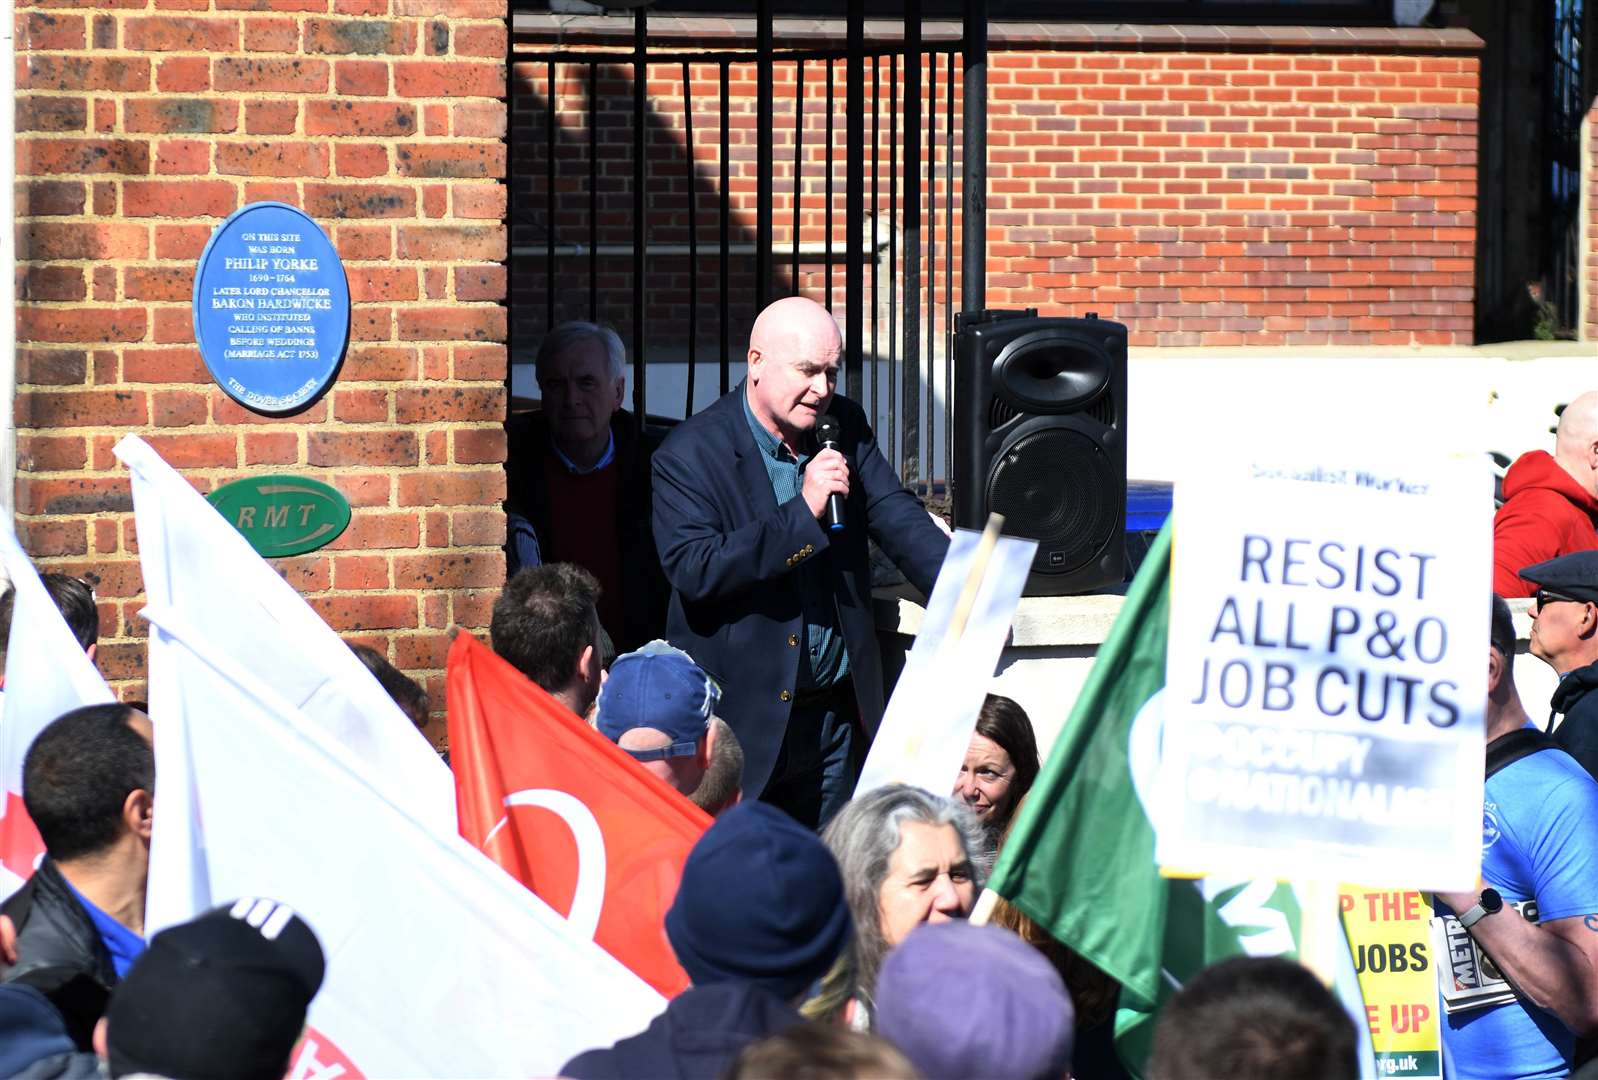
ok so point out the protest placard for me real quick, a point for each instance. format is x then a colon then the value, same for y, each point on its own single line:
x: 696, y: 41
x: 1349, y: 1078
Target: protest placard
x: 927, y: 725
x: 1327, y: 675
x: 1387, y: 932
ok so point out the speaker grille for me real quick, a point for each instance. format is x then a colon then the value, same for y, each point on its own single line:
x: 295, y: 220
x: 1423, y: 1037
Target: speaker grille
x: 1058, y: 487
x: 1000, y: 412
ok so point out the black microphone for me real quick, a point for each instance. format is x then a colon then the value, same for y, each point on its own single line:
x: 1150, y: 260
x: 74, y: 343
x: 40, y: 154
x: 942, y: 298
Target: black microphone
x: 827, y: 432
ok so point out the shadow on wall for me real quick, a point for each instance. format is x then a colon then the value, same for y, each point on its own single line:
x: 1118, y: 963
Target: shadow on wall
x: 593, y: 205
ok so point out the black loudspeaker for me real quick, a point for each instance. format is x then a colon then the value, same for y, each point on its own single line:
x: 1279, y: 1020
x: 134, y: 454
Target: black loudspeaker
x: 1040, y: 437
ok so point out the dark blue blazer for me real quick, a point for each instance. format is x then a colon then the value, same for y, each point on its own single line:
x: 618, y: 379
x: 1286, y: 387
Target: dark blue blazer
x: 729, y: 552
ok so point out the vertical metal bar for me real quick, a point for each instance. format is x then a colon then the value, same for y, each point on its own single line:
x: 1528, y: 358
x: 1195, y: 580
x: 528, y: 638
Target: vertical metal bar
x: 910, y: 447
x: 763, y: 154
x: 827, y: 214
x: 893, y: 246
x: 693, y: 233
x: 549, y: 199
x: 876, y: 150
x: 726, y: 218
x: 798, y: 162
x: 855, y: 199
x: 931, y: 462
x: 593, y: 191
x: 948, y: 280
x: 511, y: 275
x: 640, y: 178
x: 974, y: 159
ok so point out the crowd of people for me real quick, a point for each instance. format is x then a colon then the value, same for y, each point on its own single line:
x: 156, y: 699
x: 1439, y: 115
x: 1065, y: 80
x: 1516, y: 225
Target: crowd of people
x: 704, y: 603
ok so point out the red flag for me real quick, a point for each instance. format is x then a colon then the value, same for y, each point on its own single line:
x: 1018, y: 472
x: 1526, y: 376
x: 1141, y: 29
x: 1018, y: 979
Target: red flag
x: 20, y: 846
x: 566, y: 812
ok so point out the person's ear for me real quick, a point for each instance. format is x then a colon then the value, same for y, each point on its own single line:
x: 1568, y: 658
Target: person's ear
x: 754, y: 364
x: 1495, y: 670
x: 621, y: 390
x: 588, y: 665
x: 99, y: 1038
x: 92, y: 651
x: 138, y: 812
x: 707, y: 745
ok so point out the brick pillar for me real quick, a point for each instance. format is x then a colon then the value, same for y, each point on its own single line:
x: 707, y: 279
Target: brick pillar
x: 139, y: 127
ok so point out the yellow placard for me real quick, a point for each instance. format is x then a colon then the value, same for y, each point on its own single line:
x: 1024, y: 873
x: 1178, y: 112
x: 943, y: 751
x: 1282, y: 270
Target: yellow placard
x: 1387, y: 931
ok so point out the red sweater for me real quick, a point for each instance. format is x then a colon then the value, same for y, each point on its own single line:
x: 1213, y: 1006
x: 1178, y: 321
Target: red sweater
x: 583, y: 508
x: 1545, y: 514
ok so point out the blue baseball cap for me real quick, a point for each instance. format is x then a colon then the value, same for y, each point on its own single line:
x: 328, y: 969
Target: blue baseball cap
x: 659, y: 687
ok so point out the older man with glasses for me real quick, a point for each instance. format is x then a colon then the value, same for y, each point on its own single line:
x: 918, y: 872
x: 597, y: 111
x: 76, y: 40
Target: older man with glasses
x: 1564, y: 635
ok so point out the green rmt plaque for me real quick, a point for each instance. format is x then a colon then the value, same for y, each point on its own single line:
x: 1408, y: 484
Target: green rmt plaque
x: 283, y: 515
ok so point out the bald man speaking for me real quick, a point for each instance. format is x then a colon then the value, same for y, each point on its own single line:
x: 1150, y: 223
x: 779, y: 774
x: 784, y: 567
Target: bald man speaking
x: 767, y: 598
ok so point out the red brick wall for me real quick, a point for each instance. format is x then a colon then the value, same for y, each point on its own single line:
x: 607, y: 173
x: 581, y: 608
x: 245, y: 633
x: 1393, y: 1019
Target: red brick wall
x: 140, y: 124
x: 1283, y: 195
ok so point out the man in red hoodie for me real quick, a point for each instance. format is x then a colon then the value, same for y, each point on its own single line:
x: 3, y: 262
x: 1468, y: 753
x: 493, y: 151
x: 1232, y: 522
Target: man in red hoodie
x: 1550, y: 501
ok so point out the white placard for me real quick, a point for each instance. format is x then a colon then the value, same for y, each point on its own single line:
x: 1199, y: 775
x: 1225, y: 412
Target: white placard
x: 1326, y: 674
x: 927, y: 725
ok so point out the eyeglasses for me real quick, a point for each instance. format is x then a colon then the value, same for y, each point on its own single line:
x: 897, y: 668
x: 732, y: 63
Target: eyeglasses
x: 1548, y: 596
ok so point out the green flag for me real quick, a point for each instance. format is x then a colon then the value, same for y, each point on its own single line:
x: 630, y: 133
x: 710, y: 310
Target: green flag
x: 1080, y: 858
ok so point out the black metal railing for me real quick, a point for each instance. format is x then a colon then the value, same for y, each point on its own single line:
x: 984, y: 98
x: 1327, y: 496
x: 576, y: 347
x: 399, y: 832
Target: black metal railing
x: 1566, y: 105
x: 698, y: 264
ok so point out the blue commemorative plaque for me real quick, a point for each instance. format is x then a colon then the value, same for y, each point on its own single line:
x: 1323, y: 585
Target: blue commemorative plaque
x: 271, y: 308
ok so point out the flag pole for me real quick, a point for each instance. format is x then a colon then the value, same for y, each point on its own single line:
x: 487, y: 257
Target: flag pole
x: 983, y: 911
x: 962, y: 613
x: 1318, y: 929
x: 973, y: 578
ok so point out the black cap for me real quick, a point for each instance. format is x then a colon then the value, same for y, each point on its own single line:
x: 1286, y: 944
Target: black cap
x: 1574, y: 576
x: 223, y: 996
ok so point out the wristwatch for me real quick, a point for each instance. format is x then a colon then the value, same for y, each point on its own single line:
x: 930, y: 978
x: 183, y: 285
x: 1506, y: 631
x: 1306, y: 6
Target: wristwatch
x: 1489, y: 903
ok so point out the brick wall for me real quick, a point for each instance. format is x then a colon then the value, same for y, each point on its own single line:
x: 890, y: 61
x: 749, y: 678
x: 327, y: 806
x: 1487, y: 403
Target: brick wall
x: 140, y: 124
x: 1287, y: 187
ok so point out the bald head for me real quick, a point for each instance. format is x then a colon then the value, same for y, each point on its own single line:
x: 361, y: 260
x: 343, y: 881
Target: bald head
x: 1576, y: 440
x: 794, y: 322
x: 793, y: 365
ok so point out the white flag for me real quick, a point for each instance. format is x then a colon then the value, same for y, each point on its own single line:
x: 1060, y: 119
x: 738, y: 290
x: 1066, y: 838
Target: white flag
x: 47, y: 674
x: 927, y: 725
x: 438, y: 962
x: 197, y: 564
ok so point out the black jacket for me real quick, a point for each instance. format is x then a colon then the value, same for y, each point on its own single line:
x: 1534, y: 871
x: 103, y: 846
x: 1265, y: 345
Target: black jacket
x: 700, y: 1035
x: 643, y: 584
x: 1577, y: 734
x: 59, y: 951
x: 730, y: 553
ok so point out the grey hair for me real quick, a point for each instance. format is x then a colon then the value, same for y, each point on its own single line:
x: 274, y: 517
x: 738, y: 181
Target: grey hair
x: 568, y: 334
x: 863, y: 838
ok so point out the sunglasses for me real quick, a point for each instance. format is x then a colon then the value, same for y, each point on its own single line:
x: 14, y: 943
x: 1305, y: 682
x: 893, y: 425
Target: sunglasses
x: 1548, y: 596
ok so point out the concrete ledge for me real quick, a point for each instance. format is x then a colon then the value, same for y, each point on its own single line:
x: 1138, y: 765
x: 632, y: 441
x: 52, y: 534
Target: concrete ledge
x: 1040, y: 621
x: 533, y: 27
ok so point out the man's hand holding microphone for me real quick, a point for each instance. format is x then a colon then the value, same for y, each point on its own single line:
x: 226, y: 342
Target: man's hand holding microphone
x: 826, y: 483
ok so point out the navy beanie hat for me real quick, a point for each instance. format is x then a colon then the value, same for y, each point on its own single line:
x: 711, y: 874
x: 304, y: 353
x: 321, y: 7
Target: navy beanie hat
x: 760, y: 901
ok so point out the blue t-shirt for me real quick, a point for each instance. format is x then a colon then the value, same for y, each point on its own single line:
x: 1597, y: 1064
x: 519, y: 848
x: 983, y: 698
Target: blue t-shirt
x: 123, y: 944
x: 1539, y: 842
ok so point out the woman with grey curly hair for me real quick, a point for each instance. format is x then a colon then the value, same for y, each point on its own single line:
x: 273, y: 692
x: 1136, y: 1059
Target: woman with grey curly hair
x: 907, y: 857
